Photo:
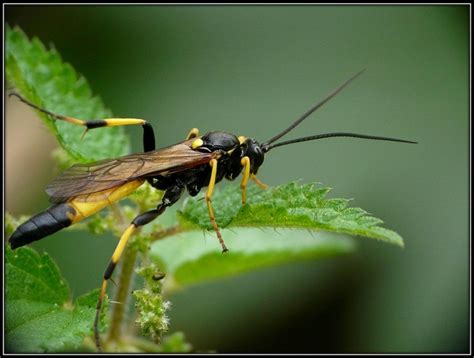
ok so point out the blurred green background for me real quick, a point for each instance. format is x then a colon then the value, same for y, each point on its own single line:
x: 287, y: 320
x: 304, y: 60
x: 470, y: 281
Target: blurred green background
x: 250, y: 70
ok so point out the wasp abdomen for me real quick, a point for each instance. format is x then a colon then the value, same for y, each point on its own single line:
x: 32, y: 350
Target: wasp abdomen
x: 43, y: 224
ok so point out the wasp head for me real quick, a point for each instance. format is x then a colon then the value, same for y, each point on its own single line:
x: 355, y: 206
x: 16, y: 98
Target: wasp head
x: 252, y: 149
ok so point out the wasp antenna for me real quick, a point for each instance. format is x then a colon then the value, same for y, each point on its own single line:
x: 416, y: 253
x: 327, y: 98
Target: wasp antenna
x: 314, y: 108
x: 338, y: 134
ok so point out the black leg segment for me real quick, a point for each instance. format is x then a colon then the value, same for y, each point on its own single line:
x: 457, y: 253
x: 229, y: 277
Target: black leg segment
x: 148, y: 137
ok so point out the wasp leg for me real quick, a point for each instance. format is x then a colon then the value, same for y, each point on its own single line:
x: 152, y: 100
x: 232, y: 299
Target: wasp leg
x: 148, y: 134
x: 245, y: 162
x: 193, y: 133
x: 170, y: 197
x: 212, y: 182
x: 258, y: 182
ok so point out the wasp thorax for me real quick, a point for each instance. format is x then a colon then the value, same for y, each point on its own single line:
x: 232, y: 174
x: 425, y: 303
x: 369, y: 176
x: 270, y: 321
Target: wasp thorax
x: 220, y: 141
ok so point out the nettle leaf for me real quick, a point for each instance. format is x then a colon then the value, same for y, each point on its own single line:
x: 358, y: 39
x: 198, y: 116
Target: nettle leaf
x: 283, y: 224
x: 287, y: 206
x: 44, y: 79
x: 192, y: 257
x: 175, y: 343
x: 40, y: 316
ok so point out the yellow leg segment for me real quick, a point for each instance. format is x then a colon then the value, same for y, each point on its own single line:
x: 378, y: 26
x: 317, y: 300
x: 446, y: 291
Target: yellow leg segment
x: 123, y: 241
x: 89, y: 124
x: 108, y: 122
x: 113, y: 122
x: 245, y: 162
x: 107, y: 275
x: 97, y: 315
x: 210, y: 189
x: 193, y: 133
x: 258, y: 182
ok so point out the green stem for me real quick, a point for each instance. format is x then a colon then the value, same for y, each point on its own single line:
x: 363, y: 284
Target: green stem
x: 145, y: 345
x: 173, y: 230
x: 123, y: 285
x: 123, y: 288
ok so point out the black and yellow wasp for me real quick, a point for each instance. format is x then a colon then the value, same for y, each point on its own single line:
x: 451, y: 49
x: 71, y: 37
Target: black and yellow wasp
x: 196, y: 162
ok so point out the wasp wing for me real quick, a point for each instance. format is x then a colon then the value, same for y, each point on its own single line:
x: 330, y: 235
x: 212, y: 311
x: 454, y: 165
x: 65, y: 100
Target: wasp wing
x: 83, y: 179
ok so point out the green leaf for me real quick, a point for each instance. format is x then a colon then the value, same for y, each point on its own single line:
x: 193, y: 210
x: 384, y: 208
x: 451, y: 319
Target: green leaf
x: 175, y: 343
x: 40, y: 316
x: 43, y: 78
x: 292, y: 206
x: 310, y: 226
x: 192, y: 258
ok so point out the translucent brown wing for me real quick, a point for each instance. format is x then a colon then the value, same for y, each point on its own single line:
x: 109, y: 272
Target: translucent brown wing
x: 90, y: 178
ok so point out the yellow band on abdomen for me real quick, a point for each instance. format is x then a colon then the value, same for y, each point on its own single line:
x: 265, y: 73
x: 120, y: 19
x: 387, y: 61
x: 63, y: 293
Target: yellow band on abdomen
x: 86, y: 205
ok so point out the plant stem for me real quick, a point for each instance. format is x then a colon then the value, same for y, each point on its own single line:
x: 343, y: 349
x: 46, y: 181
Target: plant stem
x: 123, y: 285
x: 167, y: 232
x: 123, y: 288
